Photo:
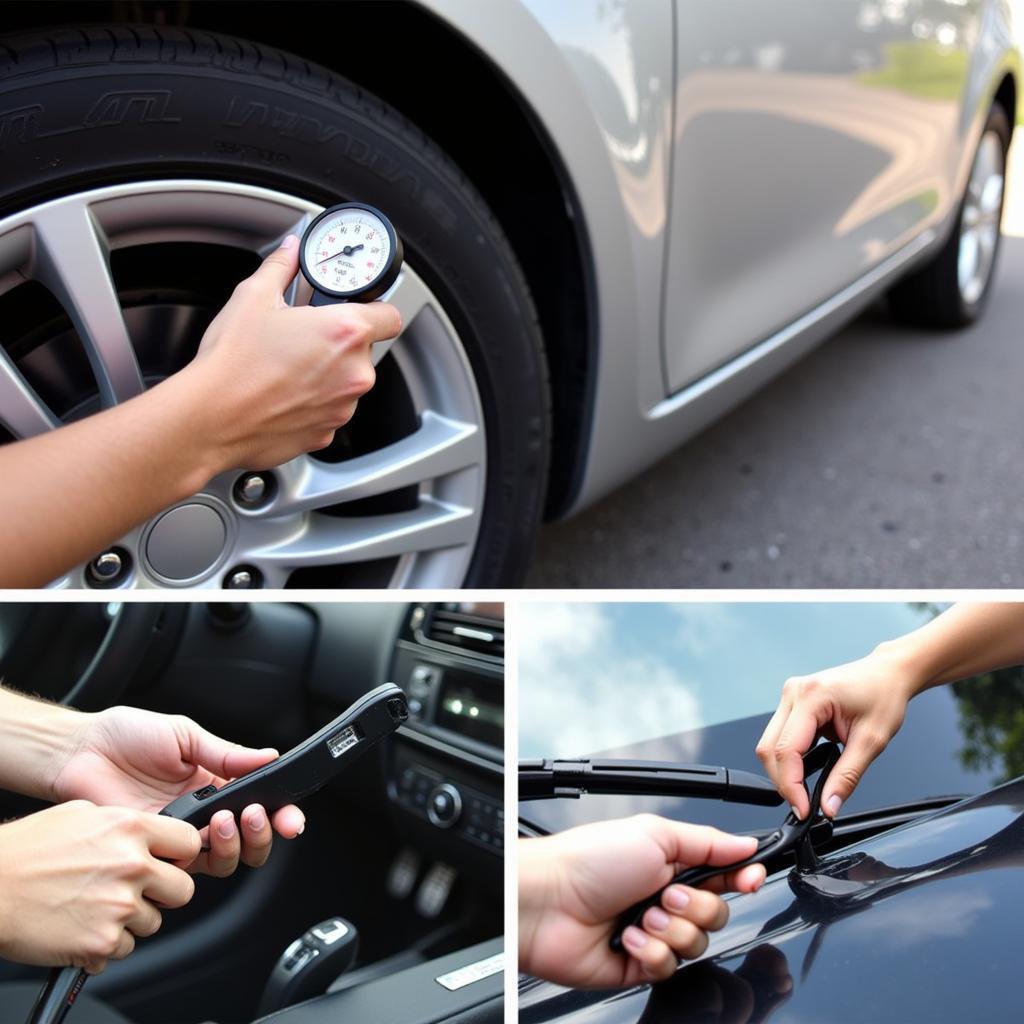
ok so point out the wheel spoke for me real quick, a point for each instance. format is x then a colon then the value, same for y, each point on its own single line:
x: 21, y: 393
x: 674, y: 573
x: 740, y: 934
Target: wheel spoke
x: 409, y: 295
x: 438, y: 447
x: 332, y: 541
x: 22, y: 411
x: 74, y: 265
x: 992, y: 195
x: 291, y: 293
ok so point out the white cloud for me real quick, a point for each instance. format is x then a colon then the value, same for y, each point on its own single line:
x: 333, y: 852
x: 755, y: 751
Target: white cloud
x: 579, y: 694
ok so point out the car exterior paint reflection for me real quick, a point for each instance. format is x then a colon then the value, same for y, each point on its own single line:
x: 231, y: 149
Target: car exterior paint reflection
x: 920, y: 923
x: 749, y: 176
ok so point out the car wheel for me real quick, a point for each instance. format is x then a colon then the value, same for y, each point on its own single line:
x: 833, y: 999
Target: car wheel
x: 145, y: 172
x: 951, y: 290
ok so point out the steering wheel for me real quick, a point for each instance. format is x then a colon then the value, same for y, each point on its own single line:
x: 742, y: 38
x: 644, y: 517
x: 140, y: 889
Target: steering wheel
x: 82, y: 653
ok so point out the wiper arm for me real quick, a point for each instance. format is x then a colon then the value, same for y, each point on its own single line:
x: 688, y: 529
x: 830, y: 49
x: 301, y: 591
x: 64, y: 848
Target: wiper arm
x: 554, y: 778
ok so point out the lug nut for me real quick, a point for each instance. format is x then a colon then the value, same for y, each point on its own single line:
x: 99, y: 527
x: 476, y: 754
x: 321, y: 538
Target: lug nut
x: 254, y: 489
x: 107, y: 569
x: 243, y: 577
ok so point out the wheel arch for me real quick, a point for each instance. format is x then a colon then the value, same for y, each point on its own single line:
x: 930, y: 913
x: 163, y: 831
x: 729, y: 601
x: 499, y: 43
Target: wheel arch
x: 1006, y: 96
x: 434, y: 63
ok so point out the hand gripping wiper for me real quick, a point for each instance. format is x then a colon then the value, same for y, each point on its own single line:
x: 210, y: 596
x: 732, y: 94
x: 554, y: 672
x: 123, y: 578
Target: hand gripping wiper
x: 794, y: 835
x: 550, y: 779
x: 291, y: 777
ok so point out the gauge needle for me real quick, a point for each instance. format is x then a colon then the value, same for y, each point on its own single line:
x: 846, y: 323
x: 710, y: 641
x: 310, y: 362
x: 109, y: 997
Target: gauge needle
x: 347, y: 251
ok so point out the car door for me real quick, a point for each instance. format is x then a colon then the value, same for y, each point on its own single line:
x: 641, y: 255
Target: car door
x: 813, y: 138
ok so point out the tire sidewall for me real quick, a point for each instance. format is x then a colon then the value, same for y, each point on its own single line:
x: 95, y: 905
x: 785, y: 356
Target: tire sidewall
x: 311, y: 134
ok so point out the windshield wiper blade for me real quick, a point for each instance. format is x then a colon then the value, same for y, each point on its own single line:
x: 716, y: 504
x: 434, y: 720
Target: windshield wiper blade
x: 563, y: 777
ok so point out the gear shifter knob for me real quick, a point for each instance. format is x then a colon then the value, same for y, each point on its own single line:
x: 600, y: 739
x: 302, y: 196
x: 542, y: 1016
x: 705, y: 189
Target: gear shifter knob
x: 310, y: 964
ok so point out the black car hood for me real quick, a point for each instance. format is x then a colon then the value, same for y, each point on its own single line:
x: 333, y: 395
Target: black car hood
x: 919, y: 923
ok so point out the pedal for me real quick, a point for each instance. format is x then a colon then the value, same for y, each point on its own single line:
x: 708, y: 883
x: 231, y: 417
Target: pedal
x: 435, y: 889
x: 402, y: 875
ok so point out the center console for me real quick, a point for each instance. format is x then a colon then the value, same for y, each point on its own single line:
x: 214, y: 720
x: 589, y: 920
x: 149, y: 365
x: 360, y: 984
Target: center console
x: 446, y: 772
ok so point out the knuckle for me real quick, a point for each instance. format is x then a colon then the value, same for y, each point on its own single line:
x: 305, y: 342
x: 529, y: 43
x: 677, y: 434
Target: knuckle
x: 135, y: 865
x: 123, y: 820
x: 363, y: 379
x: 696, y: 945
x: 810, y: 687
x: 103, y: 943
x: 873, y: 741
x: 646, y: 820
x: 352, y: 330
x: 188, y: 889
x: 244, y: 289
x: 763, y: 751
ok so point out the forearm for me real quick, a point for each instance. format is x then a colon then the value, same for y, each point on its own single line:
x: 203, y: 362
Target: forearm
x: 35, y: 737
x: 71, y: 493
x: 963, y: 641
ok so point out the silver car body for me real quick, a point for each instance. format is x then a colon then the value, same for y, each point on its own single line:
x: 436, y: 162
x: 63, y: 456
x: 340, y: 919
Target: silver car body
x: 749, y: 175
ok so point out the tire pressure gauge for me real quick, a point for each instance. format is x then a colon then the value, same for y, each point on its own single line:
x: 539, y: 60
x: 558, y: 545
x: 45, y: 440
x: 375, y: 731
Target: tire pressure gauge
x: 350, y: 253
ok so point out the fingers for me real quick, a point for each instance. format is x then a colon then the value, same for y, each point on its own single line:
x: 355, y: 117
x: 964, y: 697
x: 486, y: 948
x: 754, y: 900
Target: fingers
x: 698, y: 906
x: 221, y: 757
x: 863, y: 745
x: 168, y: 886
x: 225, y: 846
x: 686, y: 844
x: 278, y: 269
x: 145, y: 921
x: 362, y: 323
x: 748, y: 879
x: 791, y: 732
x: 656, y: 959
x: 682, y: 936
x: 289, y: 822
x: 169, y: 838
x: 257, y: 836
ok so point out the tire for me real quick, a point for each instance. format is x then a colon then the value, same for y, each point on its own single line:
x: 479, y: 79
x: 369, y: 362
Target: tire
x: 100, y: 106
x: 932, y: 296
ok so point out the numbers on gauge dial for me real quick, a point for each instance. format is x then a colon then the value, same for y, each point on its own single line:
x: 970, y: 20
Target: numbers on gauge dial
x: 348, y: 251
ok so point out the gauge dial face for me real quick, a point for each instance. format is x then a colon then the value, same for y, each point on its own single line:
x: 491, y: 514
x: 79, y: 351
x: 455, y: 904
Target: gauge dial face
x: 347, y: 251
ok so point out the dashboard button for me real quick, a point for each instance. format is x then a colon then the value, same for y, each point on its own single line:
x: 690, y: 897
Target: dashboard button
x: 444, y: 805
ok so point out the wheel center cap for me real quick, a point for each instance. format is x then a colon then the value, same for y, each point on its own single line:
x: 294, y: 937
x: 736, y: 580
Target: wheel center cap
x: 186, y: 541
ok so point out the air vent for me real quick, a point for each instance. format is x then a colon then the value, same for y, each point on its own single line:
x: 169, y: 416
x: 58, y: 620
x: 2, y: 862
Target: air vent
x: 466, y: 632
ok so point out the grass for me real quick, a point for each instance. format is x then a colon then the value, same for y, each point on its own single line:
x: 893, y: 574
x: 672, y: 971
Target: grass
x: 923, y: 69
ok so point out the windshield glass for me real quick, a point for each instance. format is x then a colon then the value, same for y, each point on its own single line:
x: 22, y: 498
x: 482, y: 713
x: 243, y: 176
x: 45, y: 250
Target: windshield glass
x: 583, y: 666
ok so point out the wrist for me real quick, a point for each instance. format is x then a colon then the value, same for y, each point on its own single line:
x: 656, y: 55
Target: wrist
x: 42, y: 737
x: 906, y: 665
x: 188, y: 404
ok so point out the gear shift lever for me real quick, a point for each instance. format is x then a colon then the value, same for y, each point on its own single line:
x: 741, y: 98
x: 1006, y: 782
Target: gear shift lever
x: 310, y: 964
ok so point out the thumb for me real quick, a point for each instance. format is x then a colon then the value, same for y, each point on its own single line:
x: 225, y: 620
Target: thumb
x: 278, y: 269
x: 863, y: 745
x: 226, y: 760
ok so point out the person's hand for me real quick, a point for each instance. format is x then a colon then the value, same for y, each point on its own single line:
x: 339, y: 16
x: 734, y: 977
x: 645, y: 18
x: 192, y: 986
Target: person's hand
x: 278, y: 381
x: 133, y: 758
x: 860, y: 704
x: 574, y: 885
x: 80, y: 883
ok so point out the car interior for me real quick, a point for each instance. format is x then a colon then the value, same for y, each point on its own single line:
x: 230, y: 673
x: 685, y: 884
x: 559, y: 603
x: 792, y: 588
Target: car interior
x: 405, y: 847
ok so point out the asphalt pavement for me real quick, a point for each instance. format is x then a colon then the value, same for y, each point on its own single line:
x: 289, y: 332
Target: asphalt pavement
x: 889, y: 457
